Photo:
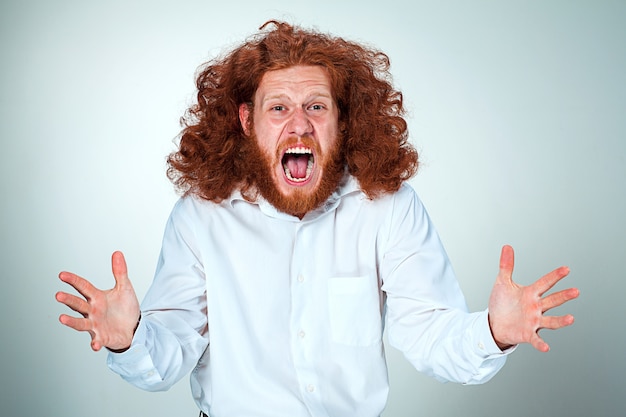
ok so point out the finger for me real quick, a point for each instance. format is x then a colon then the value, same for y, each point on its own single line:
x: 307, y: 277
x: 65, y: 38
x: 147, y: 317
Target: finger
x: 538, y: 343
x: 546, y: 282
x: 120, y: 271
x: 558, y: 298
x: 96, y: 345
x: 81, y: 325
x: 77, y: 304
x: 84, y: 287
x: 557, y: 322
x: 507, y: 262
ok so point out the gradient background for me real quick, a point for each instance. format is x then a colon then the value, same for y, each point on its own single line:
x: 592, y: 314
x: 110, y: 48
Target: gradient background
x: 518, y: 109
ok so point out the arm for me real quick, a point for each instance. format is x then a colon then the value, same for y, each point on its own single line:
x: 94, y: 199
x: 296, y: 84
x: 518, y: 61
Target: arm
x: 172, y: 334
x: 426, y: 314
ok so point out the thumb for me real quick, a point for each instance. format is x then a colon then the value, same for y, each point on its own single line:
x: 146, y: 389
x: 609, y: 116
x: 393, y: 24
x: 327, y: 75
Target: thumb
x: 507, y: 262
x: 120, y: 271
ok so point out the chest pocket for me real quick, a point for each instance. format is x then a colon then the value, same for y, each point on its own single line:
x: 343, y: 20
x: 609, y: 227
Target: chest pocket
x: 354, y: 310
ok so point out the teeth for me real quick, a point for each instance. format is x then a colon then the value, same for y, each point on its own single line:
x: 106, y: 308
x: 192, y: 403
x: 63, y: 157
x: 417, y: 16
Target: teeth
x: 299, y: 150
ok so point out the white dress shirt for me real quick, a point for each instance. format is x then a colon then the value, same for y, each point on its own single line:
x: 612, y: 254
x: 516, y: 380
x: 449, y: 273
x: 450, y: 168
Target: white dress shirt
x: 277, y: 316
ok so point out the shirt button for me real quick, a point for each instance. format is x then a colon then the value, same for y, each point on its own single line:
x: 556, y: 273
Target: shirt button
x: 310, y: 388
x: 301, y: 334
x: 300, y: 278
x: 481, y: 346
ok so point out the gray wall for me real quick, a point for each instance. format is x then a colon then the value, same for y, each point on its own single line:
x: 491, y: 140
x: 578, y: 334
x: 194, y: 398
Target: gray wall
x: 518, y: 110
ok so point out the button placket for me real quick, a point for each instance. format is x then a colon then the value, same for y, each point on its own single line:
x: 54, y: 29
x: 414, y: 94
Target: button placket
x: 302, y: 311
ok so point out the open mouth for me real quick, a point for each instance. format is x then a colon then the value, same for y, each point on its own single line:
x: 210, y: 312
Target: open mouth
x: 298, y: 163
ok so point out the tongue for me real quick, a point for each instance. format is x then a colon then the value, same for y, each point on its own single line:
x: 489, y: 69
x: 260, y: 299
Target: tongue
x: 297, y: 165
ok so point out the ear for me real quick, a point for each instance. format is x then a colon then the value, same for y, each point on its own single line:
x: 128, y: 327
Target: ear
x: 244, y: 117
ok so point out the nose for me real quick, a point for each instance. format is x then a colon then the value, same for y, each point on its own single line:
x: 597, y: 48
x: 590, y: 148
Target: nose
x: 299, y: 123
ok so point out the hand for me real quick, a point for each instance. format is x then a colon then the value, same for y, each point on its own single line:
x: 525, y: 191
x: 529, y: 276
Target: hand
x: 109, y: 316
x: 516, y: 312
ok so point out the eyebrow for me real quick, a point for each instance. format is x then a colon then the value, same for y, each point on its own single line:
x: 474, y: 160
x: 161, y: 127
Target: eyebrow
x: 283, y: 96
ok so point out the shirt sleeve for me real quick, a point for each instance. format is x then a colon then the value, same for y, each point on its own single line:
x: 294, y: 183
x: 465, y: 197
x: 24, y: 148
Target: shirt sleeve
x: 173, y: 332
x: 426, y: 314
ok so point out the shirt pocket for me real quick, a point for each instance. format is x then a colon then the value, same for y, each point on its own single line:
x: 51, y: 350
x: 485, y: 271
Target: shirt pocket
x: 354, y: 309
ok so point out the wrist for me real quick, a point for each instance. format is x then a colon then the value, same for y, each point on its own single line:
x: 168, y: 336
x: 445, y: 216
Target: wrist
x: 501, y: 346
x: 122, y: 350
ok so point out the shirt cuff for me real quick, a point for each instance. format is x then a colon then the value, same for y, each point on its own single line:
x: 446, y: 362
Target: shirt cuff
x: 484, y: 343
x: 135, y: 364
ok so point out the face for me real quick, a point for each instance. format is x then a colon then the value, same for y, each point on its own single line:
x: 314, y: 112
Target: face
x: 294, y: 124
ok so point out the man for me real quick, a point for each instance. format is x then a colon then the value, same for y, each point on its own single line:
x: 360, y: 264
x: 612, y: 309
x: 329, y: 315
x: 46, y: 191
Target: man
x: 295, y: 242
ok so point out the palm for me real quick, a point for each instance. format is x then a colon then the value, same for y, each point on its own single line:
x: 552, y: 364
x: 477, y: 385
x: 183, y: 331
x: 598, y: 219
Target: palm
x: 109, y: 316
x: 516, y: 313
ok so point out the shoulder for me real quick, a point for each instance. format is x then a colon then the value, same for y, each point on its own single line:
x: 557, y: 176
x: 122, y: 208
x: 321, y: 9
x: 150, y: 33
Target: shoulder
x: 404, y: 210
x: 388, y: 209
x: 194, y: 209
x: 404, y: 197
x: 406, y: 192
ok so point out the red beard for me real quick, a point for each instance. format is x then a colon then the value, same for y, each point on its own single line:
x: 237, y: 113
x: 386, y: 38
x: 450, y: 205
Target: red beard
x: 259, y: 165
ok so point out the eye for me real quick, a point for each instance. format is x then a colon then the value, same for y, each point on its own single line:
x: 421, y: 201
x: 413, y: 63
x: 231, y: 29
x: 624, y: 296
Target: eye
x: 317, y: 107
x: 278, y: 108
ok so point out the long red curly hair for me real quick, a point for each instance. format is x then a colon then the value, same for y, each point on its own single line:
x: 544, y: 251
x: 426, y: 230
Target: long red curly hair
x: 375, y: 147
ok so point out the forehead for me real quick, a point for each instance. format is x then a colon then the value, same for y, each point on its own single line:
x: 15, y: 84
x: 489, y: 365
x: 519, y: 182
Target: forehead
x: 295, y: 81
